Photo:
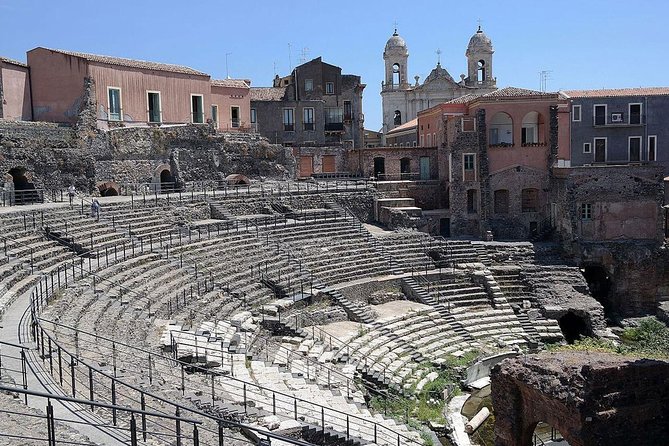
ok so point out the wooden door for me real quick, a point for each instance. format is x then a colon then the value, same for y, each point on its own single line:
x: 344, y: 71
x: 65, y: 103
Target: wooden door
x: 306, y: 165
x: 329, y: 164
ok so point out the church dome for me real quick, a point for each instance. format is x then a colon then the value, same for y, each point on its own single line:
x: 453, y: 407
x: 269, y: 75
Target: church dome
x: 396, y: 43
x: 479, y: 42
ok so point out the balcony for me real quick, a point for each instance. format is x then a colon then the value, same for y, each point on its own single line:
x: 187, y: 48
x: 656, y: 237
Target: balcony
x: 334, y: 126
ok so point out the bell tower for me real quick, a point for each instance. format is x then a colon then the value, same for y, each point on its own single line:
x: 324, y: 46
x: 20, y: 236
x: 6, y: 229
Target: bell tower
x: 479, y: 62
x: 396, y: 84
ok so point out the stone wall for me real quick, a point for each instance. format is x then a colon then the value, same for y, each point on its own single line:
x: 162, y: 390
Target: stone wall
x: 590, y: 398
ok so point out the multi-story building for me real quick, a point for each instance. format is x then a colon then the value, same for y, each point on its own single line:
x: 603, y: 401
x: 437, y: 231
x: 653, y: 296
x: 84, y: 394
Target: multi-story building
x: 495, y: 152
x: 315, y: 105
x: 126, y: 92
x: 15, y: 103
x: 619, y: 126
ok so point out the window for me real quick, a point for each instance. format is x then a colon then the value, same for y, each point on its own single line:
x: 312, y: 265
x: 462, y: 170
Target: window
x: 308, y: 118
x: 348, y: 111
x: 429, y: 140
x: 434, y: 139
x: 234, y: 116
x: 587, y: 147
x: 600, y: 115
x: 652, y: 148
x: 196, y: 109
x: 576, y: 113
x: 469, y: 167
x: 635, y: 114
x: 288, y: 119
x: 634, y: 148
x: 501, y: 201
x: 329, y: 88
x: 153, y: 106
x: 501, y: 130
x: 422, y: 140
x: 308, y: 85
x: 586, y: 211
x: 472, y: 201
x: 530, y: 129
x: 405, y: 166
x: 600, y: 150
x: 334, y: 118
x: 114, y: 98
x: 529, y: 200
x: 468, y: 124
x: 397, y: 117
x: 254, y: 116
x: 214, y: 115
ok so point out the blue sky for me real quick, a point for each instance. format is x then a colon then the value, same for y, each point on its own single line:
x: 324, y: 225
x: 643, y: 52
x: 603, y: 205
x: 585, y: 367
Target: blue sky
x: 586, y: 44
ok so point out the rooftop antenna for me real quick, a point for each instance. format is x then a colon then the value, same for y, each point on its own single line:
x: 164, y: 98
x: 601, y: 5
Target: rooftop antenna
x: 275, y: 68
x: 227, y: 72
x: 290, y: 59
x: 303, y: 55
x: 544, y: 77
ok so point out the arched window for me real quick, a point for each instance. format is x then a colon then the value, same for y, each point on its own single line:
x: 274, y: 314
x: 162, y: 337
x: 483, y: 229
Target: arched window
x: 501, y: 200
x: 501, y: 130
x: 531, y: 132
x: 480, y: 72
x: 396, y: 75
x: 397, y: 118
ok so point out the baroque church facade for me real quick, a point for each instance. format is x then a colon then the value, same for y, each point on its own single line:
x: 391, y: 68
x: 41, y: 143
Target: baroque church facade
x: 402, y: 100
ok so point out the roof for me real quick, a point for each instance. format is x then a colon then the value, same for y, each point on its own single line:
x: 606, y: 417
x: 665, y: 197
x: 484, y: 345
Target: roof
x: 122, y: 62
x: 234, y: 83
x: 615, y: 92
x: 479, y: 42
x: 396, y: 42
x: 514, y: 92
x: 464, y: 99
x: 13, y: 62
x: 267, y: 93
x: 406, y: 126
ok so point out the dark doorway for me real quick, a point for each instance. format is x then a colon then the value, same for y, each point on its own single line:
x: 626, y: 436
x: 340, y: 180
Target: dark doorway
x: 445, y: 227
x: 573, y: 327
x: 24, y: 190
x: 599, y: 283
x: 405, y: 168
x: 108, y: 192
x: 379, y: 167
x: 166, y: 181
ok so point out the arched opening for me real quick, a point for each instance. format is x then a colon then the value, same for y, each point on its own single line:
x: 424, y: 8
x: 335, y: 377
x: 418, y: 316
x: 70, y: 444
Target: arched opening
x: 573, y: 327
x: 480, y: 71
x: 166, y: 181
x: 501, y: 129
x: 109, y: 189
x: 532, y: 129
x: 237, y: 179
x: 396, y: 75
x: 545, y: 434
x: 599, y: 283
x: 397, y: 117
x: 24, y: 190
x: 379, y: 166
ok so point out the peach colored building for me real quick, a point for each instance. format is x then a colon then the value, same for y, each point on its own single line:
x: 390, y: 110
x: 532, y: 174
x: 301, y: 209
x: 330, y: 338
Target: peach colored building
x: 231, y: 104
x: 495, y: 153
x: 15, y: 103
x: 128, y: 92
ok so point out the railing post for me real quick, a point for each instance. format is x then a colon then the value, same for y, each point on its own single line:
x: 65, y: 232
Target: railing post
x: 143, y: 406
x: 50, y: 424
x: 90, y: 387
x: 113, y: 396
x: 178, y: 428
x: 196, y: 436
x: 133, y: 430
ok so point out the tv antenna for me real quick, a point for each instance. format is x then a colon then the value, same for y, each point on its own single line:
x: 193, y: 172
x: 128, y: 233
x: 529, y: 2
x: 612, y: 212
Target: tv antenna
x: 544, y: 77
x: 227, y: 72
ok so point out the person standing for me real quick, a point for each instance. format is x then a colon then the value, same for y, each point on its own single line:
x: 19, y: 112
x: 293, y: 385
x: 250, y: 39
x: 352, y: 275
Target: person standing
x: 70, y: 193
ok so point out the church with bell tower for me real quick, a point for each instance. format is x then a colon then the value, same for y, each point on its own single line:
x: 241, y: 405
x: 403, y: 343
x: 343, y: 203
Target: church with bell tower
x: 402, y: 99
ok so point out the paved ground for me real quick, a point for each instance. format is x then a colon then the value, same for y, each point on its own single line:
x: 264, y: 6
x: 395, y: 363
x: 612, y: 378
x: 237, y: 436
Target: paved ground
x: 396, y: 308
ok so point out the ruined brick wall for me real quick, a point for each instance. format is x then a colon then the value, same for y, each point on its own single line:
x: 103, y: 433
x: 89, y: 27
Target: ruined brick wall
x: 317, y: 154
x: 363, y: 161
x: 590, y: 398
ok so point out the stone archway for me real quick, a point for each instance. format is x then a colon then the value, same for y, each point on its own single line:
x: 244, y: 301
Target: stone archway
x: 163, y: 178
x: 600, y: 284
x: 23, y: 189
x: 591, y: 398
x: 109, y: 189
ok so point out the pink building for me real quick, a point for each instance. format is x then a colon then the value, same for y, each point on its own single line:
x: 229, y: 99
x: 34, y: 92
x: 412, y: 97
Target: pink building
x: 14, y: 90
x: 231, y: 104
x: 130, y: 92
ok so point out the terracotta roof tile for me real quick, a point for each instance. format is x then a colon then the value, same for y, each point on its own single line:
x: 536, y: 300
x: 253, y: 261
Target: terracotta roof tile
x: 464, y: 99
x: 119, y: 61
x: 234, y: 83
x: 613, y: 92
x: 513, y: 92
x: 406, y: 126
x: 13, y: 62
x: 267, y: 93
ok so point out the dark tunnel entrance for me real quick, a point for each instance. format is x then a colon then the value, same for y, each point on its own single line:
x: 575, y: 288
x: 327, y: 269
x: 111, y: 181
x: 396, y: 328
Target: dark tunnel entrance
x: 24, y: 190
x: 599, y: 282
x: 166, y: 181
x: 573, y: 327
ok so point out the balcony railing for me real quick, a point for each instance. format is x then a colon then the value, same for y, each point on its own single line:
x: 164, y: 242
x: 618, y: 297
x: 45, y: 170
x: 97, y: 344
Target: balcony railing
x: 334, y: 126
